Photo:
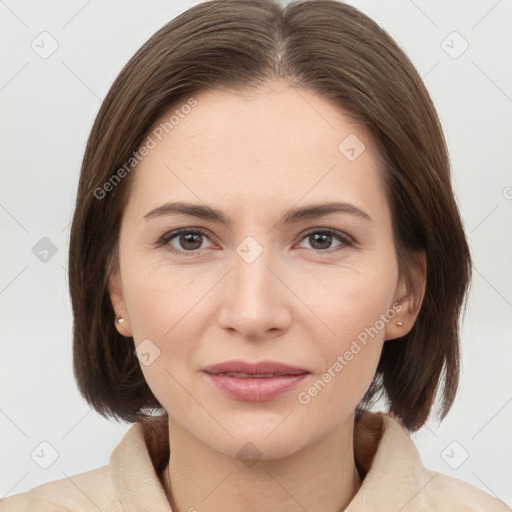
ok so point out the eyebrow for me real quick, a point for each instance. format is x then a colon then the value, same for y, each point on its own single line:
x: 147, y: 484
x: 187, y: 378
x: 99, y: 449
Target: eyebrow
x: 290, y: 216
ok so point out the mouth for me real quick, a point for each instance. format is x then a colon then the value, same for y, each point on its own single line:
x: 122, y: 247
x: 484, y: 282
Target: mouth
x: 255, y: 382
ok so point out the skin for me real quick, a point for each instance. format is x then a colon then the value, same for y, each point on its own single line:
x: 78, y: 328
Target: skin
x: 254, y: 156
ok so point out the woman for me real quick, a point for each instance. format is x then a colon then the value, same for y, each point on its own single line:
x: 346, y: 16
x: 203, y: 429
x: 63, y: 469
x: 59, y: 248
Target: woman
x: 265, y: 241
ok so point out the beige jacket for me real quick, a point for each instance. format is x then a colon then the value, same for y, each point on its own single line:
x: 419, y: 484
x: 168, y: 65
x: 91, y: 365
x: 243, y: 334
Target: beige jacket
x: 394, y: 479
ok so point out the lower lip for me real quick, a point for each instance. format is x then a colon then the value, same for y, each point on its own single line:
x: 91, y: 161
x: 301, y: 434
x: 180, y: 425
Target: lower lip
x: 256, y: 389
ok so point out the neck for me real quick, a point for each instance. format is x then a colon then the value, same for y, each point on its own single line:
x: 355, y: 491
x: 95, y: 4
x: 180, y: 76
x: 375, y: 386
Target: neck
x: 321, y: 477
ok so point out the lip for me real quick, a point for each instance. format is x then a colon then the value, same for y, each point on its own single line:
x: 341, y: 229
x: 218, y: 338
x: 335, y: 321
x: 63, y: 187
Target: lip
x: 259, y: 368
x: 255, y: 382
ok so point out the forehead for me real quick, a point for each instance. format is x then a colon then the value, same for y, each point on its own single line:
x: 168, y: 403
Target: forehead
x: 269, y: 145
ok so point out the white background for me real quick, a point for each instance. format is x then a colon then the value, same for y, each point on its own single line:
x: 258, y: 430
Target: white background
x: 47, y: 110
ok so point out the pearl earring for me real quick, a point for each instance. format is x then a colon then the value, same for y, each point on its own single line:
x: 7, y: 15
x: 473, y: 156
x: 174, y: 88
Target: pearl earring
x: 400, y: 324
x: 120, y: 320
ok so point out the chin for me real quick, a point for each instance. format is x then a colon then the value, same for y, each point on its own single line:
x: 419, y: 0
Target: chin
x: 264, y: 442
x: 250, y: 449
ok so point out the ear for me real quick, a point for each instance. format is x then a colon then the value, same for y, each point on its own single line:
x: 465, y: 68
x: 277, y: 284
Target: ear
x: 409, y: 295
x: 115, y: 290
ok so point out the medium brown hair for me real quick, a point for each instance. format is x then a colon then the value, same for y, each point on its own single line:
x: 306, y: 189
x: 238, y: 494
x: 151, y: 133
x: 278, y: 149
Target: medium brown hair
x: 338, y: 52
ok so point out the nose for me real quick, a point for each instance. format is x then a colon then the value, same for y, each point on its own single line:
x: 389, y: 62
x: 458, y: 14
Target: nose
x: 255, y: 301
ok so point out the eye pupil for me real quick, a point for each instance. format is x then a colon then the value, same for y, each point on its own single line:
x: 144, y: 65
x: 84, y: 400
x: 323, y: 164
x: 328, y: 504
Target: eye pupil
x: 319, y: 237
x: 188, y: 238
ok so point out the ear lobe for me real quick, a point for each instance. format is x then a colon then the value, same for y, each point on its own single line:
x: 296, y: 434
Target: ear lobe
x: 410, y: 294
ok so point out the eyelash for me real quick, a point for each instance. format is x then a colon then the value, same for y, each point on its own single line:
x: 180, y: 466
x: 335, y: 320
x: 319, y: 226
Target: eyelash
x: 345, y: 240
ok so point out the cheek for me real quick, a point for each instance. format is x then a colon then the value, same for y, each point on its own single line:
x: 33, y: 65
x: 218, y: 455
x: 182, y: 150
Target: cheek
x: 355, y: 311
x: 159, y: 297
x: 167, y: 318
x: 350, y: 300
x: 169, y: 308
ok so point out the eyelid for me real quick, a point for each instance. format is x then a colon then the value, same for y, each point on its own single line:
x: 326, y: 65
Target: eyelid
x: 345, y: 237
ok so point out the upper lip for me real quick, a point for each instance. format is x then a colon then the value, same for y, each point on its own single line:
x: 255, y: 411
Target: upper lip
x: 259, y: 368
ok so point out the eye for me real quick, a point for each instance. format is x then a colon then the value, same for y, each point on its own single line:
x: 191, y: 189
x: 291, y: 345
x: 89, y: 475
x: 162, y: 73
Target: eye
x: 321, y: 240
x: 184, y: 241
x: 189, y: 241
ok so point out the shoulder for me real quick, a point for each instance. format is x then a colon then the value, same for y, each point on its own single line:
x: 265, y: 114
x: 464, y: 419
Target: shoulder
x: 88, y: 491
x: 131, y: 478
x: 396, y: 479
x: 445, y: 493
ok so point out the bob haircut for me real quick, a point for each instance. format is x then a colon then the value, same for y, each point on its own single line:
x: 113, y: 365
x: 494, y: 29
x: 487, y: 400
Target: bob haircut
x: 237, y: 45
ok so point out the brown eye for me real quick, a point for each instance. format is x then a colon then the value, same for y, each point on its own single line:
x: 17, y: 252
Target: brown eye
x: 321, y: 240
x: 190, y: 241
x: 184, y: 241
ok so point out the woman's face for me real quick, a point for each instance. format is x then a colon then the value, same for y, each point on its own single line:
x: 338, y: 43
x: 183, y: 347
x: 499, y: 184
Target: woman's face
x: 317, y: 292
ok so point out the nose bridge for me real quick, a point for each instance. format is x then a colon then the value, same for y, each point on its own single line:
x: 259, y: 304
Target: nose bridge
x: 253, y: 301
x: 253, y: 283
